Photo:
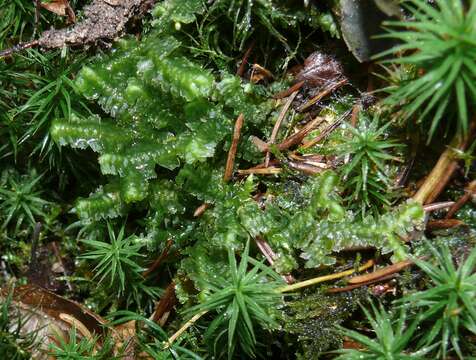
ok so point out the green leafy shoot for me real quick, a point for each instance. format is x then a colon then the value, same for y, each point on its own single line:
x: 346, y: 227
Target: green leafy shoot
x: 21, y: 199
x: 448, y: 305
x: 392, y: 338
x: 15, y: 342
x: 17, y: 15
x: 468, y: 156
x: 35, y: 88
x: 152, y: 339
x: 80, y: 348
x: 54, y: 94
x: 367, y: 181
x: 116, y: 260
x: 241, y: 300
x: 441, y: 42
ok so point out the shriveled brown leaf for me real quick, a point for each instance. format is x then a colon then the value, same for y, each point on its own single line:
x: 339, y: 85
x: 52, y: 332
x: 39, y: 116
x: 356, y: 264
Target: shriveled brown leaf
x: 50, y: 315
x: 61, y: 8
x: 320, y: 70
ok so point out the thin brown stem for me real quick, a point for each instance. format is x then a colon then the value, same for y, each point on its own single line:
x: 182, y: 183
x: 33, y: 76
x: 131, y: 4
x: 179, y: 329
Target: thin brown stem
x: 244, y: 61
x: 159, y: 260
x: 437, y: 206
x: 270, y: 255
x: 443, y: 224
x: 468, y: 192
x: 355, y: 286
x: 18, y: 48
x: 230, y: 161
x: 199, y: 211
x: 165, y: 305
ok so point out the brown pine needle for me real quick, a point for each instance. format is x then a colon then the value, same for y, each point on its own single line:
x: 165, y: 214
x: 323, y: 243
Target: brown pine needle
x: 261, y: 171
x: 278, y: 123
x: 387, y: 270
x: 230, y: 161
x: 289, y: 91
x: 322, y: 94
x: 325, y: 133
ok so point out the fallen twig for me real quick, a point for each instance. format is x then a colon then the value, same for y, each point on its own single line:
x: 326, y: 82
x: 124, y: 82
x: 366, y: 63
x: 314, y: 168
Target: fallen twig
x: 443, y: 224
x: 261, y: 171
x: 244, y: 61
x: 291, y: 140
x: 165, y: 305
x: 437, y: 206
x: 18, y: 48
x: 307, y: 168
x: 230, y: 161
x: 199, y: 211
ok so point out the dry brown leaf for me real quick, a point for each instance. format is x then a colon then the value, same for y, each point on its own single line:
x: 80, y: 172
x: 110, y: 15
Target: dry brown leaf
x: 61, y: 8
x: 260, y: 73
x: 51, y: 315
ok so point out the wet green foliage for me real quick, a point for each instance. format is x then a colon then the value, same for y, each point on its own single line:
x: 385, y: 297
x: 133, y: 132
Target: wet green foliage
x: 140, y: 137
x: 392, y: 337
x: 440, y: 44
x: 22, y: 202
x: 151, y: 338
x: 448, y: 304
x: 313, y: 319
x: 367, y: 181
x: 182, y: 115
x: 241, y: 299
x: 116, y: 259
x: 72, y: 348
x: 223, y: 29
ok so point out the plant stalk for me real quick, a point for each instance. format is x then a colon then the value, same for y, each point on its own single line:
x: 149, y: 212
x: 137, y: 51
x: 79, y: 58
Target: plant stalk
x: 317, y: 280
x: 442, y: 172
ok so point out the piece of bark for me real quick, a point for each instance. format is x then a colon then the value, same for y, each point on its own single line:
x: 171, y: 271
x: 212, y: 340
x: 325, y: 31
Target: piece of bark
x: 102, y: 21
